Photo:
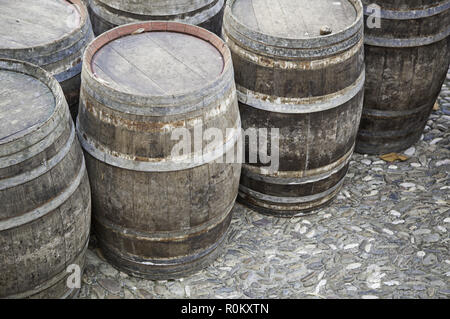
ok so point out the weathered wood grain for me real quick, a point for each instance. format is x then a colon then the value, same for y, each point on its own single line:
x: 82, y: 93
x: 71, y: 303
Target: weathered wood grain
x: 406, y: 61
x: 308, y: 86
x: 52, y: 34
x: 107, y: 14
x: 45, y: 196
x: 294, y: 18
x: 155, y: 215
x: 188, y: 61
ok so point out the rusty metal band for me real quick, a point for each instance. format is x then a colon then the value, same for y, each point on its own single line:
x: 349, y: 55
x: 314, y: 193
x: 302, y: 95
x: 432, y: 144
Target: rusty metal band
x: 43, y: 168
x: 289, y: 200
x: 407, y: 42
x: 47, y: 207
x: 410, y: 14
x: 124, y: 161
x: 341, y: 163
x: 300, y: 105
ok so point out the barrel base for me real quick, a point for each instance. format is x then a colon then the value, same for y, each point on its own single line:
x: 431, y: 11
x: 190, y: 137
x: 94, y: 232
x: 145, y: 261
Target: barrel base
x: 385, y: 148
x: 176, y: 269
x: 59, y: 289
x: 287, y: 211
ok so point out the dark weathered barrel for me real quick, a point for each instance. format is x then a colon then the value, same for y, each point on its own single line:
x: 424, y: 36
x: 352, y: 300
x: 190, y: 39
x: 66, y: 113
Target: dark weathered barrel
x: 45, y: 202
x: 299, y: 68
x: 52, y: 34
x: 159, y: 213
x: 107, y: 14
x: 407, y: 58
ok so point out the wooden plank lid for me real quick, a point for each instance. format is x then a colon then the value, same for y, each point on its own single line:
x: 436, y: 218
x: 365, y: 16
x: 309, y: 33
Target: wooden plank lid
x: 25, y: 101
x: 295, y: 19
x: 157, y: 68
x: 32, y: 105
x: 158, y: 63
x: 31, y: 23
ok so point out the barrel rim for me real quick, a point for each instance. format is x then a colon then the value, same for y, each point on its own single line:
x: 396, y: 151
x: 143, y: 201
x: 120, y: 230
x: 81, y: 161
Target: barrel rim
x: 82, y: 10
x: 437, y: 6
x: 148, y: 16
x: 46, y: 78
x: 156, y: 26
x: 298, y: 43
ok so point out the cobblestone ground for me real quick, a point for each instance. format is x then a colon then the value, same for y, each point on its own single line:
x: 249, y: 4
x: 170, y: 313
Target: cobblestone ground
x: 385, y: 236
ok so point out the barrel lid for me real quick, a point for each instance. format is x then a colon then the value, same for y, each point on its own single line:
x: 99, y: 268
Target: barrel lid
x: 25, y: 101
x: 295, y: 19
x: 157, y: 7
x: 31, y: 23
x: 157, y: 63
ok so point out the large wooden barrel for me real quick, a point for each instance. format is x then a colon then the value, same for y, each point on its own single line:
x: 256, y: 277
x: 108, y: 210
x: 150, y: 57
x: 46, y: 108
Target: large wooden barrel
x: 159, y: 214
x: 407, y: 59
x: 45, y: 201
x: 107, y: 14
x: 309, y: 85
x: 52, y: 34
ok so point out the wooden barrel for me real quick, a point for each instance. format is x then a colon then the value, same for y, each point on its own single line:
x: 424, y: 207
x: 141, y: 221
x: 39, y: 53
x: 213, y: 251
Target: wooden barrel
x: 107, y: 14
x: 407, y: 59
x: 299, y: 68
x: 45, y: 201
x: 52, y: 34
x: 159, y: 214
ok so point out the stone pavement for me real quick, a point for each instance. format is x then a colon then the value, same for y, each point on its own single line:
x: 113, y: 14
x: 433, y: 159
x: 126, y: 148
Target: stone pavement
x: 385, y: 236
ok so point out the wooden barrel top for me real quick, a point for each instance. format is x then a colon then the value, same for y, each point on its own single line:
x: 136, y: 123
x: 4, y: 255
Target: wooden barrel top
x: 157, y: 7
x: 294, y: 19
x: 21, y: 22
x: 158, y: 63
x: 24, y: 102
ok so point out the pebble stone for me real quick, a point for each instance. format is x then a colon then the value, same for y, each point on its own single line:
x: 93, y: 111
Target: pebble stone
x: 384, y: 236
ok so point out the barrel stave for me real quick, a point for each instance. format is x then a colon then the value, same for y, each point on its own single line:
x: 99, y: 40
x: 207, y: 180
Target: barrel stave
x: 267, y: 78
